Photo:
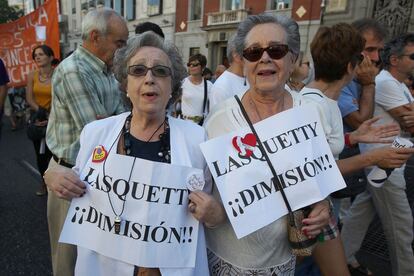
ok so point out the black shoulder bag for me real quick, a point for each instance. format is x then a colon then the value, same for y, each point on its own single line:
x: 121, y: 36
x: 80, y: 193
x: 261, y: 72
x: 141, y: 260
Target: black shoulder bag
x: 356, y: 182
x: 300, y: 244
x: 205, y: 103
x: 35, y: 132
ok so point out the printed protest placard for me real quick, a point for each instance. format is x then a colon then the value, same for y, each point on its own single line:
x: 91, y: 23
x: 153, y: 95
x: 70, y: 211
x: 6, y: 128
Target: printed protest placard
x: 296, y: 145
x: 150, y: 198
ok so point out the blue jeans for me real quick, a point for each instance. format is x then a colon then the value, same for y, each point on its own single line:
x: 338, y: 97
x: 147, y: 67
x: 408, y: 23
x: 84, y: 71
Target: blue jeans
x: 307, y: 267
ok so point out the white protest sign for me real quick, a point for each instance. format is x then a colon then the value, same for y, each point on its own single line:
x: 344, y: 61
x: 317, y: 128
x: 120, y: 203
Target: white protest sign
x: 40, y: 33
x: 156, y: 228
x: 296, y: 145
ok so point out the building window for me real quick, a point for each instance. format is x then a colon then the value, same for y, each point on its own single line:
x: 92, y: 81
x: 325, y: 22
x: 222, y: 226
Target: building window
x: 230, y: 5
x: 280, y: 4
x: 73, y: 6
x: 109, y: 3
x: 92, y: 4
x: 119, y: 7
x: 336, y: 5
x: 195, y: 9
x: 154, y: 7
x: 130, y: 9
x: 84, y: 6
x: 194, y: 50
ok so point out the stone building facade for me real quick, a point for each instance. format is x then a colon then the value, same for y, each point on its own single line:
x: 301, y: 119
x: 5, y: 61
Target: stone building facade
x: 204, y: 26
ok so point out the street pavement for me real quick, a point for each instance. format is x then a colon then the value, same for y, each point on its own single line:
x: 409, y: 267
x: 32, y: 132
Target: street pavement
x: 24, y: 241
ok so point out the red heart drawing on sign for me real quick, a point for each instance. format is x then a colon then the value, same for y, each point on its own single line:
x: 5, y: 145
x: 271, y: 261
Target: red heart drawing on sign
x: 244, y: 145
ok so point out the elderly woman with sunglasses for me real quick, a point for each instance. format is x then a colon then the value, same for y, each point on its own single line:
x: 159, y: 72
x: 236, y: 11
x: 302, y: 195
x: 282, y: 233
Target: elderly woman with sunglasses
x: 196, y: 91
x: 269, y: 46
x: 150, y: 71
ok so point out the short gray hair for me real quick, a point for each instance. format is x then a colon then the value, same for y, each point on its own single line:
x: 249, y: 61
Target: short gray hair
x: 98, y: 20
x: 290, y: 26
x: 231, y: 48
x: 395, y: 47
x: 150, y: 39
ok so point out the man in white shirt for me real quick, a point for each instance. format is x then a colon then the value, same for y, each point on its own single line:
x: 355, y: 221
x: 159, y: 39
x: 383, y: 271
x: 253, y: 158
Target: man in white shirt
x: 232, y: 81
x: 394, y: 103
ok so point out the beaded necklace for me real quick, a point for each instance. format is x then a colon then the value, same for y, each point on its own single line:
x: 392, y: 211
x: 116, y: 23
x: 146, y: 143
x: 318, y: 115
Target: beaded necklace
x: 164, y: 152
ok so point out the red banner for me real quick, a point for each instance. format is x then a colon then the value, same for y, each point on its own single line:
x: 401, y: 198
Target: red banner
x: 18, y: 38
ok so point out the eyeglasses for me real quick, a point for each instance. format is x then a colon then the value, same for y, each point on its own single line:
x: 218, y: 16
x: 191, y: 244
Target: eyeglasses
x: 277, y: 51
x: 157, y: 70
x: 411, y: 56
x: 193, y: 64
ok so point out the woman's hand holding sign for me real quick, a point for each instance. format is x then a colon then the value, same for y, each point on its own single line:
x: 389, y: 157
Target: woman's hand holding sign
x: 64, y: 182
x: 206, y: 209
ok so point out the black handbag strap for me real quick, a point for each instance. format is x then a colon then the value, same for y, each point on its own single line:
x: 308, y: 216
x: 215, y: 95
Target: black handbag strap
x: 260, y: 144
x: 205, y: 97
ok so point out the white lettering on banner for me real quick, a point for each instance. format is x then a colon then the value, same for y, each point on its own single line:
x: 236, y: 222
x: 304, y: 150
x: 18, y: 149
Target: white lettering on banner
x: 296, y: 145
x: 30, y: 21
x: 156, y: 228
x: 20, y: 61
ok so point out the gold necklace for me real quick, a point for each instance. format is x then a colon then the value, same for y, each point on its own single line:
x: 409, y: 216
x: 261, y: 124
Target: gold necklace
x: 43, y: 78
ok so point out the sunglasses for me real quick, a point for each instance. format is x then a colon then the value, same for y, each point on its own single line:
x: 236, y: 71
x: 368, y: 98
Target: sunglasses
x: 193, y: 64
x: 410, y: 56
x: 157, y: 70
x: 277, y: 51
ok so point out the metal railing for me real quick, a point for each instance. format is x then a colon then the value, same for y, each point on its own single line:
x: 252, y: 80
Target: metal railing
x: 226, y: 17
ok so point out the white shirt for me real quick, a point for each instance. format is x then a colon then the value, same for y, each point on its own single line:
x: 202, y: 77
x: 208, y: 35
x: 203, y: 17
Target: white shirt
x: 335, y: 130
x: 193, y: 97
x: 389, y: 94
x: 226, y: 86
x: 268, y: 246
x: 185, y: 151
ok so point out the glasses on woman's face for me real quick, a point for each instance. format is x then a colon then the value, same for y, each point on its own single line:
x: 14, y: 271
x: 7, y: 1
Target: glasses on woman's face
x: 277, y: 51
x: 193, y: 64
x: 157, y: 70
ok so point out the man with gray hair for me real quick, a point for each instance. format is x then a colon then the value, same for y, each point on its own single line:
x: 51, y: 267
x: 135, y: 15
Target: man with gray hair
x: 83, y: 90
x: 394, y: 104
x: 232, y: 81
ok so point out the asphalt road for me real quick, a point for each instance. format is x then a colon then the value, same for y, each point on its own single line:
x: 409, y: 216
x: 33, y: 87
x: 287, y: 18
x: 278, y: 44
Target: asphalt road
x: 24, y: 238
x: 24, y: 241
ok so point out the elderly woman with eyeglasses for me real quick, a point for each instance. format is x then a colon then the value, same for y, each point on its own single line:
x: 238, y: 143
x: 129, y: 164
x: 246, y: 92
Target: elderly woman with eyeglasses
x: 150, y: 71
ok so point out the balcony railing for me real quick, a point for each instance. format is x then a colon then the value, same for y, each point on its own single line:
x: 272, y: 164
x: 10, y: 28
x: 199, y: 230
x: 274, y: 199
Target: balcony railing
x: 226, y: 17
x: 285, y: 12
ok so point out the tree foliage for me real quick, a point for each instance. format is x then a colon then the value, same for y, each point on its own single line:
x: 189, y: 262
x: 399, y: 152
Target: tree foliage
x: 9, y: 13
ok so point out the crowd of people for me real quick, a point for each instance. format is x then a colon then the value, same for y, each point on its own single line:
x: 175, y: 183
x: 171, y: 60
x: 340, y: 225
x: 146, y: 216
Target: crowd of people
x: 135, y: 97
